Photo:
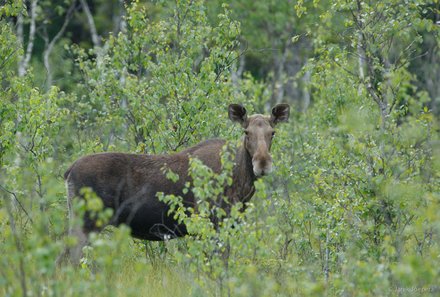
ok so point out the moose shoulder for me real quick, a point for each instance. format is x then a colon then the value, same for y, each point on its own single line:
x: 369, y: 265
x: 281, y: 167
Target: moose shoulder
x: 129, y: 183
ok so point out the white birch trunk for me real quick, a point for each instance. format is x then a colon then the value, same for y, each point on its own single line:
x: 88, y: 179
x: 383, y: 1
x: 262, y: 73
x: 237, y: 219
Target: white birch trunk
x: 24, y: 63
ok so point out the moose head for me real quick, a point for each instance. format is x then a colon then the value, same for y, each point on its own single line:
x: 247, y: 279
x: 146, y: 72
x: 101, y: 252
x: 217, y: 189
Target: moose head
x: 259, y: 132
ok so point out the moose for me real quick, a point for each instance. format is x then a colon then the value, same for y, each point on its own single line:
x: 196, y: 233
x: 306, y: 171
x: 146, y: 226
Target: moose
x: 129, y: 183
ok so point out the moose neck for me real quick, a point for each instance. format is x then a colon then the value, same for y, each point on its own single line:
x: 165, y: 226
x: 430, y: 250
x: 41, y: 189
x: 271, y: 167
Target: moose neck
x: 243, y: 175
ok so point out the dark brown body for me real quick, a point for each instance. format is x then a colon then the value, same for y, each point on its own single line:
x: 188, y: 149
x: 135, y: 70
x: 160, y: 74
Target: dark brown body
x: 129, y: 183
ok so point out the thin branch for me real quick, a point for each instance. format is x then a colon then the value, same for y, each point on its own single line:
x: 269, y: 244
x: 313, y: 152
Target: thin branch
x: 6, y: 59
x: 50, y: 45
x: 345, y: 69
x: 18, y: 202
x: 19, y: 246
x: 394, y: 91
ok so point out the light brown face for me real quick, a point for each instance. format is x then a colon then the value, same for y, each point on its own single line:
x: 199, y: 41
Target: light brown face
x: 259, y: 132
x: 258, y: 140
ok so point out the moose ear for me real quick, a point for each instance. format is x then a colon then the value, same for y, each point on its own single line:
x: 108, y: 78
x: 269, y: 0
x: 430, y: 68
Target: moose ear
x: 280, y: 113
x: 237, y: 113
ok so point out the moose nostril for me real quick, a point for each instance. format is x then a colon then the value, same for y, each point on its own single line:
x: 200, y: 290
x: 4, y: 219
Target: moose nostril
x: 262, y: 167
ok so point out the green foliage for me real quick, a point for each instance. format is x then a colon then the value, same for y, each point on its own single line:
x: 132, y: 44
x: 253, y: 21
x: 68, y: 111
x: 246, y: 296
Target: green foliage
x: 11, y: 8
x: 170, y: 80
x: 351, y: 209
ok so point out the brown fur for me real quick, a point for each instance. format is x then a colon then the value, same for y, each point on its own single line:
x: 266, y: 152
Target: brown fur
x: 128, y: 183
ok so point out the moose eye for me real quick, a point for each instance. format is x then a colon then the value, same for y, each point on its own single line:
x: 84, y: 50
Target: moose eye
x: 246, y: 132
x: 273, y: 134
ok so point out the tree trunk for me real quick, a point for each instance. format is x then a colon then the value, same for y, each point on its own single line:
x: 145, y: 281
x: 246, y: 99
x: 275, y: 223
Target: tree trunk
x: 95, y: 37
x: 24, y: 63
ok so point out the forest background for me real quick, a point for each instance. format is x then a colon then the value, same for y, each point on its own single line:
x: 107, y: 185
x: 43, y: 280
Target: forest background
x: 353, y: 205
